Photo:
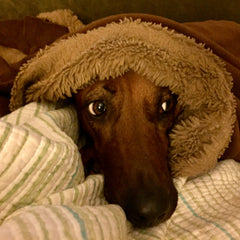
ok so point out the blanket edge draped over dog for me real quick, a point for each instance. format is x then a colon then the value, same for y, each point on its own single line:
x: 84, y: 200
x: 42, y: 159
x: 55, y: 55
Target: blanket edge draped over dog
x: 204, y: 132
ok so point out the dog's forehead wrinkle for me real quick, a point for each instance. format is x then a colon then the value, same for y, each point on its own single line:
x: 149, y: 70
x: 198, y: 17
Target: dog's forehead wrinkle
x: 97, y: 92
x: 110, y: 87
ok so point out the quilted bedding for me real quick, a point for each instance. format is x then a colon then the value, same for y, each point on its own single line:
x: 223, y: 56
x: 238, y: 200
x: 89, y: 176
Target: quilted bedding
x: 44, y: 194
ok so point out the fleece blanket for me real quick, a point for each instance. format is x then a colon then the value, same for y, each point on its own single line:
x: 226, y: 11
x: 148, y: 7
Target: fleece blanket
x: 44, y: 195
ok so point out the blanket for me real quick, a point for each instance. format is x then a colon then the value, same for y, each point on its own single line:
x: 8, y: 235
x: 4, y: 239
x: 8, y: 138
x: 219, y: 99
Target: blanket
x: 44, y: 194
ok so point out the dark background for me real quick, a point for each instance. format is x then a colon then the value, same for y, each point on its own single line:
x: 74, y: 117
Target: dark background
x: 89, y: 10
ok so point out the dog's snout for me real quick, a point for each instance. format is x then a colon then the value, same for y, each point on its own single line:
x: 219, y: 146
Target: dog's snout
x: 148, y: 207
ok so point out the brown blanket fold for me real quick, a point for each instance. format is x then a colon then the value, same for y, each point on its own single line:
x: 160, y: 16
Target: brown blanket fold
x: 27, y: 35
x: 221, y: 36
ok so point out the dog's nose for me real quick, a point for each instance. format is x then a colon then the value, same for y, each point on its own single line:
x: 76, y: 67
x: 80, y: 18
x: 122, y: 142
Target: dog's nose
x: 149, y: 207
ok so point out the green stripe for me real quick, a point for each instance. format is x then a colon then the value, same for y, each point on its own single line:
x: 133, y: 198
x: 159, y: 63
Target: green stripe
x: 41, y: 223
x: 75, y: 152
x: 76, y: 195
x: 86, y: 195
x: 119, y: 226
x: 65, y: 224
x: 19, y: 115
x: 55, y: 128
x: 93, y: 193
x: 61, y: 194
x: 99, y: 192
x: 80, y: 194
x: 78, y: 175
x: 5, y: 135
x: 115, y: 214
x: 63, y: 179
x: 106, y: 216
x: 61, y: 134
x: 42, y: 181
x: 96, y: 222
x: 65, y: 159
x: 23, y: 180
x: 49, y: 200
x: 37, y: 110
x: 15, y: 155
x: 31, y: 128
x: 24, y: 228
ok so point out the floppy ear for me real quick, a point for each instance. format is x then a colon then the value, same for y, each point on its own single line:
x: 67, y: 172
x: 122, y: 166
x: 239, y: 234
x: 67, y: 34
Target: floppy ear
x: 89, y: 158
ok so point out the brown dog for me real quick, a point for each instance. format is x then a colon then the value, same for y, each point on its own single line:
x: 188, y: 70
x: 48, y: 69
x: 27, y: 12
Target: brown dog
x: 126, y: 121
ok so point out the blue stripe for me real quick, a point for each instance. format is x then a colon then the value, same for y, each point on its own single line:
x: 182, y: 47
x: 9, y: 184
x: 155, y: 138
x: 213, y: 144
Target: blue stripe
x: 49, y: 115
x: 80, y: 222
x: 204, y: 219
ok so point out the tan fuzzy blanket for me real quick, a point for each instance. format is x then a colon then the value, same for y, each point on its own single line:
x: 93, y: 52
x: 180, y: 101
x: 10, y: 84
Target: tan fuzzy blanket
x: 169, y: 54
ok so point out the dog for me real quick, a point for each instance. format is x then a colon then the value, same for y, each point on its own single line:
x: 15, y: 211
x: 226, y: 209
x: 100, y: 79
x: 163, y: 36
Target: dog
x: 126, y: 121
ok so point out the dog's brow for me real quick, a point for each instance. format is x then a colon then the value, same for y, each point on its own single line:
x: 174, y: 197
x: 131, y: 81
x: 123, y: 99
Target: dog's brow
x: 111, y: 89
x: 99, y: 92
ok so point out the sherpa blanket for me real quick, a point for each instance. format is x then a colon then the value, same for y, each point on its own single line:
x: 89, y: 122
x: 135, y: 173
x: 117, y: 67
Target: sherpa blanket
x: 43, y: 193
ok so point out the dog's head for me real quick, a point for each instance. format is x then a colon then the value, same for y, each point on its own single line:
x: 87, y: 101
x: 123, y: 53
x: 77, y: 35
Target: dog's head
x: 127, y: 121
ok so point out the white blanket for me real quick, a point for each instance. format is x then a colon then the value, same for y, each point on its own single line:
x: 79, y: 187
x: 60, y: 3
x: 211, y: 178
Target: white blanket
x: 44, y: 195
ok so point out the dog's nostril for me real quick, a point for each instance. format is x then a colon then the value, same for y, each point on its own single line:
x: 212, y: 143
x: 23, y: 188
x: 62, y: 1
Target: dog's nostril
x: 148, y: 208
x: 150, y: 213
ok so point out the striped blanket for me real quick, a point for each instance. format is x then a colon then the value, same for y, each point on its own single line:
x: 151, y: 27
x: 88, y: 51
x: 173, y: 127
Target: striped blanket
x: 44, y: 194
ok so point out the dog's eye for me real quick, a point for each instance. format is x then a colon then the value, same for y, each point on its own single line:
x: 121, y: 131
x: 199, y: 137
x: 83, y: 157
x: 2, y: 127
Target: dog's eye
x: 97, y: 108
x: 166, y: 106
